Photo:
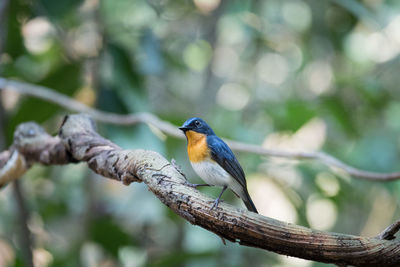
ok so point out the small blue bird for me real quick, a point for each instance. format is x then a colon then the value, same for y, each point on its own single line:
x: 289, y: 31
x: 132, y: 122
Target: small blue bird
x: 214, y: 161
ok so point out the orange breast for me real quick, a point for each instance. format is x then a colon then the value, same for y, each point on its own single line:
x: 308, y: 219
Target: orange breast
x: 197, y: 146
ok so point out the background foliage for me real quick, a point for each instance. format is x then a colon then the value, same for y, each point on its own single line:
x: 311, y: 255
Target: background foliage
x: 297, y: 75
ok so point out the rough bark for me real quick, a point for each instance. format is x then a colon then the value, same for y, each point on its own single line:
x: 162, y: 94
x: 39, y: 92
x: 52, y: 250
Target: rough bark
x: 79, y: 141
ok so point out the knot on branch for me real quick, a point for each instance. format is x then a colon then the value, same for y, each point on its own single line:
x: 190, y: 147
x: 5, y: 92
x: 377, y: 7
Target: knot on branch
x: 31, y: 144
x: 29, y: 133
x: 36, y: 145
x: 79, y: 136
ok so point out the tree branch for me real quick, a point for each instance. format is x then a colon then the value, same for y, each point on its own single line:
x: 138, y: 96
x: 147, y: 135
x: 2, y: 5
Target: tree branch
x: 83, y: 143
x: 390, y: 231
x: 170, y: 129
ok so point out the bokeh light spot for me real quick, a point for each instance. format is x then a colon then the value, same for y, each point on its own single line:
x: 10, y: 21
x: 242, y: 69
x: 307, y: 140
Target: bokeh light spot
x: 393, y: 29
x: 86, y: 41
x: 206, y: 6
x: 197, y: 55
x: 328, y: 183
x: 319, y: 77
x: 225, y: 61
x: 297, y: 14
x: 233, y: 96
x: 7, y: 254
x: 273, y: 68
x: 294, y: 55
x: 380, y: 48
x: 293, y: 262
x: 321, y: 213
x: 354, y: 46
x: 270, y: 199
x: 230, y: 30
x: 37, y: 34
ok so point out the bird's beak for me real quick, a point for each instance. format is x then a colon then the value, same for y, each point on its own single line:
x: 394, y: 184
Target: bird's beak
x: 184, y: 129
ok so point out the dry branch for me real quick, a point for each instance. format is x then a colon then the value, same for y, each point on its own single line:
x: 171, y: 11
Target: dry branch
x: 170, y: 129
x: 81, y: 142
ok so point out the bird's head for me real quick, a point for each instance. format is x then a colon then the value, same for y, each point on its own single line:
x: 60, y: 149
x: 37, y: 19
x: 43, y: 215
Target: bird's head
x: 196, y: 125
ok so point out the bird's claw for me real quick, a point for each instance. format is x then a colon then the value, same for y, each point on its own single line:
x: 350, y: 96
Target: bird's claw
x: 195, y: 185
x: 191, y: 185
x: 216, y: 203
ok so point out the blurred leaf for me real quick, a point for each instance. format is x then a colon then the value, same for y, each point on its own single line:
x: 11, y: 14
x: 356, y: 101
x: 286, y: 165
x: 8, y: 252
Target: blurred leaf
x: 108, y: 100
x: 334, y: 106
x: 52, y: 209
x: 373, y: 92
x: 360, y: 11
x: 298, y: 113
x: 19, y: 261
x: 126, y: 80
x: 123, y: 67
x: 109, y: 235
x: 69, y: 259
x: 58, y: 9
x: 14, y: 42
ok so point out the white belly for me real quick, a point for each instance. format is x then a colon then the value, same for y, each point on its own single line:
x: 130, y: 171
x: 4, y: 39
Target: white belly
x: 213, y: 174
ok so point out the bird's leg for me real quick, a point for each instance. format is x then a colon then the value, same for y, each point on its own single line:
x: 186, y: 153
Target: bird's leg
x: 195, y: 185
x: 216, y: 202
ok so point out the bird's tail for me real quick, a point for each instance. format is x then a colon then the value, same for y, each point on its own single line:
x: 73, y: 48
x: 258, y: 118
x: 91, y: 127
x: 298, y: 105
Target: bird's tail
x: 248, y: 202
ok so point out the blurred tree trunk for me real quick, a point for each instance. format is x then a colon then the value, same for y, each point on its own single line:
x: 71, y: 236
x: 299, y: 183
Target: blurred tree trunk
x: 24, y: 234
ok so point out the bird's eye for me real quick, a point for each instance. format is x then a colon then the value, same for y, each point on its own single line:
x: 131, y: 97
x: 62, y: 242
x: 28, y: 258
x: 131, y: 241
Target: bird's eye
x: 197, y: 123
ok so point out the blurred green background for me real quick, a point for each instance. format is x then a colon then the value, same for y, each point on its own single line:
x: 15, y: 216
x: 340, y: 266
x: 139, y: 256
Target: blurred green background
x: 293, y: 75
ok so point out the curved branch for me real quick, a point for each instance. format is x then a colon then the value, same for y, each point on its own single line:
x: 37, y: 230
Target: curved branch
x: 83, y: 143
x: 172, y: 130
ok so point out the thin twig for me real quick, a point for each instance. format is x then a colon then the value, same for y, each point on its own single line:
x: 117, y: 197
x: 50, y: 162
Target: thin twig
x: 172, y: 130
x: 73, y: 105
x: 390, y: 231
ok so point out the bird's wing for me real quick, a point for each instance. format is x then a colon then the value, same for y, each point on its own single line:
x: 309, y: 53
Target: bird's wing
x: 223, y: 155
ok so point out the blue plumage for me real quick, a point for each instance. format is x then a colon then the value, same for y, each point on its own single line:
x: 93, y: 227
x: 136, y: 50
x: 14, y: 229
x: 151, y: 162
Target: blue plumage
x: 223, y: 155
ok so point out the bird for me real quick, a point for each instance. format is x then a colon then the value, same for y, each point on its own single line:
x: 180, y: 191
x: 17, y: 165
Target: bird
x: 213, y: 160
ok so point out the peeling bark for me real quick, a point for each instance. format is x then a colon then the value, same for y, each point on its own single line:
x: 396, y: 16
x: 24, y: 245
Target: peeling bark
x: 79, y: 141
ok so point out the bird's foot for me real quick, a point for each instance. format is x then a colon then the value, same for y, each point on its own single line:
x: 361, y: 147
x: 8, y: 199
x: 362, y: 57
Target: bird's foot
x: 195, y: 185
x: 216, y: 203
x: 190, y: 184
